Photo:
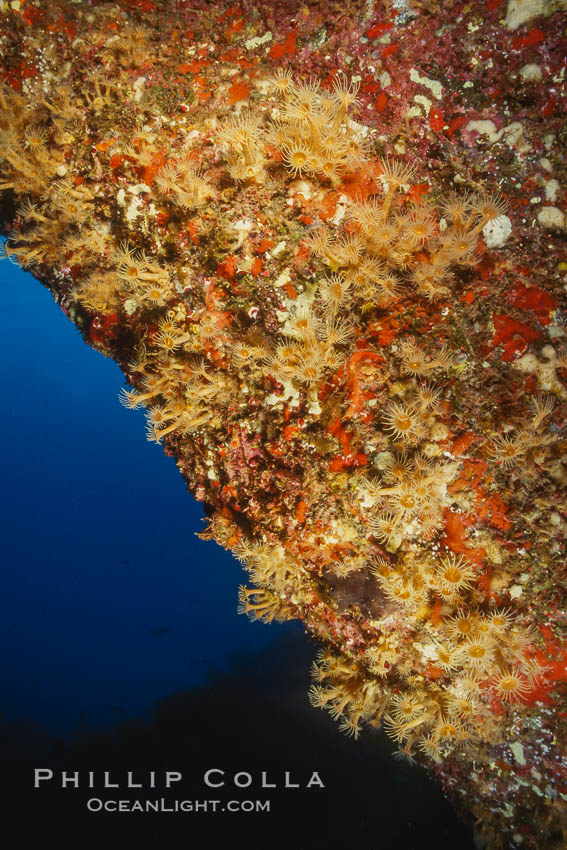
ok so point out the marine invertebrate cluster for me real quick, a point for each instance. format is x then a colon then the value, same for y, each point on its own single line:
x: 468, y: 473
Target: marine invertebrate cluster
x: 289, y: 292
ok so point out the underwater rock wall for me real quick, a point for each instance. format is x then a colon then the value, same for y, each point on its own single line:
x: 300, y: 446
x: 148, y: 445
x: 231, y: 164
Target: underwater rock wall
x: 327, y: 246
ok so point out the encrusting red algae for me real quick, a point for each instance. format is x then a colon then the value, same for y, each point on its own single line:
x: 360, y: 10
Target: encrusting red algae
x: 327, y: 246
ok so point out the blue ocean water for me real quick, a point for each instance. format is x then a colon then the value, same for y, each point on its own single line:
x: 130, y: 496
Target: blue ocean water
x: 120, y: 643
x: 108, y: 601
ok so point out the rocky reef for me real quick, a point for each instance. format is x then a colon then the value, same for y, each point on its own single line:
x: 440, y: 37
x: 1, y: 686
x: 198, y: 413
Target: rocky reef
x: 326, y: 243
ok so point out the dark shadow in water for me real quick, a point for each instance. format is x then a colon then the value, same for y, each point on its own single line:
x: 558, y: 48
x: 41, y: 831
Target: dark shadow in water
x: 254, y: 718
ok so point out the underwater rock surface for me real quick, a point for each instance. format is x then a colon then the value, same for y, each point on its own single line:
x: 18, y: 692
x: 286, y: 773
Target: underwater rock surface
x: 327, y: 246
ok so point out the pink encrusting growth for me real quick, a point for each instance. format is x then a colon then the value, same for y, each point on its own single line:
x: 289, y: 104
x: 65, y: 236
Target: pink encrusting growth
x: 326, y: 267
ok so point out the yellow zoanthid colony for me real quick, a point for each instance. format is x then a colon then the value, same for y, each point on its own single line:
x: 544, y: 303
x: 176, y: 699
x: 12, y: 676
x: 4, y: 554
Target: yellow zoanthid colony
x: 193, y: 367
